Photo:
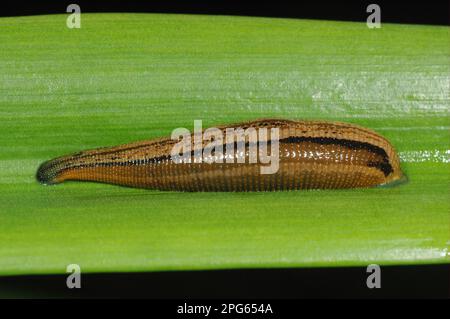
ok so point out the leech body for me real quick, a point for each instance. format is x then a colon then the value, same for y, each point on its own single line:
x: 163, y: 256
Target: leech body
x: 312, y: 155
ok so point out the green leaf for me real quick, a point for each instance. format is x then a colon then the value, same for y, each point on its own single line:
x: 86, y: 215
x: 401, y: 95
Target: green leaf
x: 128, y: 77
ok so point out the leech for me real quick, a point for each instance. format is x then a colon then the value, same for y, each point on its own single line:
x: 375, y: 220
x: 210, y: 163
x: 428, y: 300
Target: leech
x: 310, y: 155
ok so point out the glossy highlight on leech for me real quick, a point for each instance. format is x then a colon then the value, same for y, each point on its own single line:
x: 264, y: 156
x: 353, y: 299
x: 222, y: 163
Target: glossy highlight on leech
x: 312, y: 155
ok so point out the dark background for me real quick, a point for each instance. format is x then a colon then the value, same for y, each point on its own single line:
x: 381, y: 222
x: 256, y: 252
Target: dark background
x: 427, y: 281
x: 396, y: 11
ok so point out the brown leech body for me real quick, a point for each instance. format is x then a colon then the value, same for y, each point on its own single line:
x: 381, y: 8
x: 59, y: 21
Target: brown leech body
x: 312, y: 155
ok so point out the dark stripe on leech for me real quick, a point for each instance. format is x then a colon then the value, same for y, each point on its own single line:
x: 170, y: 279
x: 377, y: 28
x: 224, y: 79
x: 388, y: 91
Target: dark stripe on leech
x: 337, y: 141
x: 383, y: 166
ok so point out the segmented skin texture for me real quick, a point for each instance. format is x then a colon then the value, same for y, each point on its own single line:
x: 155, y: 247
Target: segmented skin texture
x: 312, y: 155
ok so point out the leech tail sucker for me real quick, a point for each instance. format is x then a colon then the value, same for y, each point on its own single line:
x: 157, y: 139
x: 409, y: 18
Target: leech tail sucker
x: 312, y: 155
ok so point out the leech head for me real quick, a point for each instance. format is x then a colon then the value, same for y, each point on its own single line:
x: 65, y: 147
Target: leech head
x: 53, y: 171
x: 47, y: 172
